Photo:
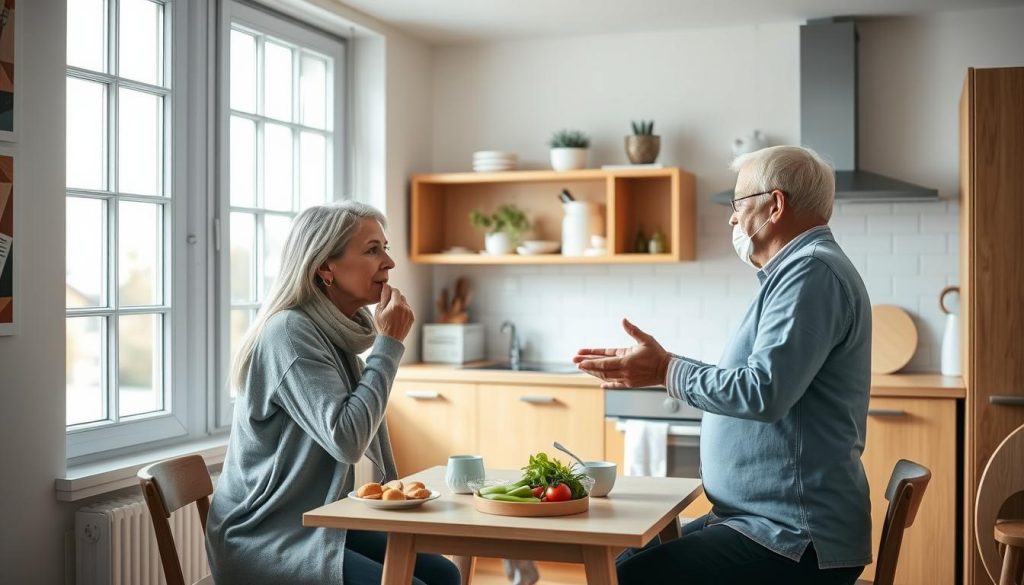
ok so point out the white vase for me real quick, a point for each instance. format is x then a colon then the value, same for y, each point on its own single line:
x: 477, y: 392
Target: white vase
x: 576, y: 227
x: 567, y: 159
x: 498, y: 243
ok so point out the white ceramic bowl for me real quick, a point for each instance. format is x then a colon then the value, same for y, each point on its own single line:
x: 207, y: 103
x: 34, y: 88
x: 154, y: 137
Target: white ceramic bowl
x: 541, y: 246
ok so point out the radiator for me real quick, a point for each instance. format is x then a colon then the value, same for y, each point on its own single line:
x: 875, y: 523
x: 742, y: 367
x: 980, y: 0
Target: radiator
x: 115, y: 544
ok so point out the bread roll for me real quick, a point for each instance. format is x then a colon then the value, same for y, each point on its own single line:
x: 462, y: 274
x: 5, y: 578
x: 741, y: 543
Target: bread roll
x: 418, y: 494
x: 414, y: 485
x: 394, y: 485
x: 393, y: 494
x: 370, y: 491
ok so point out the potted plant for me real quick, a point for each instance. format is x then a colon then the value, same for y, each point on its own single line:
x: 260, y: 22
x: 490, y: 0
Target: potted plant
x: 643, y: 146
x: 569, y: 150
x: 503, y: 228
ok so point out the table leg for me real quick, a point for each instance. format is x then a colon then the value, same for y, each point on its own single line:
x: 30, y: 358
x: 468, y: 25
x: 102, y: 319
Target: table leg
x: 599, y: 563
x: 466, y: 567
x: 671, y: 531
x: 399, y: 559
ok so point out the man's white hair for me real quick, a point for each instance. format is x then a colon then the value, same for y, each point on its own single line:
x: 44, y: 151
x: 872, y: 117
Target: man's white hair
x: 808, y: 181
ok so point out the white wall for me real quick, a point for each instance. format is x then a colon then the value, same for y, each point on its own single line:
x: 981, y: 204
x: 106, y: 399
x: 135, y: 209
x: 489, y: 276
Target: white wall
x: 32, y: 362
x: 704, y: 87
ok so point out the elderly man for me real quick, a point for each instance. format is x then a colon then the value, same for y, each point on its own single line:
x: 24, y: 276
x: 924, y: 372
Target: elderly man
x: 786, y: 406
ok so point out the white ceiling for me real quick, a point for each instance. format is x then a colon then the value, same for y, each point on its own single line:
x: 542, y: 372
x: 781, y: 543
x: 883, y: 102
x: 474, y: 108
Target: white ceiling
x: 446, y: 22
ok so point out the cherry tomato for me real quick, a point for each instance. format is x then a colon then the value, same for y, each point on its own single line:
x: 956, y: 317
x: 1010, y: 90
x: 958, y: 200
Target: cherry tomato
x: 558, y: 493
x: 538, y: 491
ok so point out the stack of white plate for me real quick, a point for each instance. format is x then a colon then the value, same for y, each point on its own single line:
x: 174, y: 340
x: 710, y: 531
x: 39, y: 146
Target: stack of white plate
x: 487, y: 161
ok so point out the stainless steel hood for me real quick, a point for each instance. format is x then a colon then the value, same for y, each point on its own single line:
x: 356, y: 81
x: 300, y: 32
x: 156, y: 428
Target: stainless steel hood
x: 828, y: 114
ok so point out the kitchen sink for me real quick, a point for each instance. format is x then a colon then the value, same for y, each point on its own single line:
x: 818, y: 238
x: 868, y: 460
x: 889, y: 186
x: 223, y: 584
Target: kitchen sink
x: 546, y: 367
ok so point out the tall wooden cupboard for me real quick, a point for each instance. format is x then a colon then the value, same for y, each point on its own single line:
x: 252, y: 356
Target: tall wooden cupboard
x: 992, y: 277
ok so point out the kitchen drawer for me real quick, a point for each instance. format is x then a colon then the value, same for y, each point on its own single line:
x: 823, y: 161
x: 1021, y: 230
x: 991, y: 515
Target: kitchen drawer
x: 429, y: 421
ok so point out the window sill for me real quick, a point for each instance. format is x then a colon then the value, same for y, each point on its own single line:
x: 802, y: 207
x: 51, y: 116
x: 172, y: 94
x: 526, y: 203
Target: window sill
x: 99, y: 477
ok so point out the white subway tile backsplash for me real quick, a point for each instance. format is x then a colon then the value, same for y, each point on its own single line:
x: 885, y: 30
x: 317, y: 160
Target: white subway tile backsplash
x: 905, y: 252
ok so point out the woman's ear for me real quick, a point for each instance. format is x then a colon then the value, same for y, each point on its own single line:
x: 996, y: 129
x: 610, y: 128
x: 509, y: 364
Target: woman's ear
x: 324, y: 272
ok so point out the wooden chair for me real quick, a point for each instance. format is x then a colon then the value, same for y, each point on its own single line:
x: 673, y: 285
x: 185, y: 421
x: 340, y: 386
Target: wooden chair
x: 904, y: 493
x: 1003, y: 478
x: 168, y: 486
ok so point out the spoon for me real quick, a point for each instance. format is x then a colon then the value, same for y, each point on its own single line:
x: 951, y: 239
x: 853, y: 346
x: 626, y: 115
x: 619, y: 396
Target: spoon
x: 562, y: 448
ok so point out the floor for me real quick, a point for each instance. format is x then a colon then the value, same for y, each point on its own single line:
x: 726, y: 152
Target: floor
x: 489, y: 572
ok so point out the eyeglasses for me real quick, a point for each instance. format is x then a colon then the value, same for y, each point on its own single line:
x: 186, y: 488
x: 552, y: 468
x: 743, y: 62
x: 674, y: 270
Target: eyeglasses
x: 733, y: 201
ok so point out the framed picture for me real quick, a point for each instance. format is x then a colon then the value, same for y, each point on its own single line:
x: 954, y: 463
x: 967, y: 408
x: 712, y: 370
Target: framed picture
x: 7, y: 45
x: 9, y: 308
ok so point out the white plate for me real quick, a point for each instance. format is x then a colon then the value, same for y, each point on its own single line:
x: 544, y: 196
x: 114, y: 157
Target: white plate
x: 526, y: 252
x: 493, y: 154
x: 493, y: 168
x: 394, y: 504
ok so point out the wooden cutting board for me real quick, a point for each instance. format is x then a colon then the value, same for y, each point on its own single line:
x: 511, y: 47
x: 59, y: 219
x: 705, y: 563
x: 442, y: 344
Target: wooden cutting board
x: 893, y: 339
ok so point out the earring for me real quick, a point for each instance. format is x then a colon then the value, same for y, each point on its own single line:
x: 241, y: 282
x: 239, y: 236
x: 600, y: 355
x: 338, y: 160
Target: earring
x: 327, y: 284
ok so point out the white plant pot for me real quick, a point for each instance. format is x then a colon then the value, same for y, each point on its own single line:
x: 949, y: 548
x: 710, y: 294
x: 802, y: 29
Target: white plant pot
x: 498, y: 243
x: 567, y: 159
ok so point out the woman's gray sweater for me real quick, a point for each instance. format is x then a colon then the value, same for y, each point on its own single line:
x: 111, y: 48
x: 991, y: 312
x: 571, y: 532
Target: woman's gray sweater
x: 299, y: 427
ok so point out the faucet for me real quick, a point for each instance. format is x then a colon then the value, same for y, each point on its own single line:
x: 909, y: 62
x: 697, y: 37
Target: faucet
x: 513, y: 344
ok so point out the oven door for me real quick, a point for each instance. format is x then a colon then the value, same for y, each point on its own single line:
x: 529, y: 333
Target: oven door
x: 683, y: 448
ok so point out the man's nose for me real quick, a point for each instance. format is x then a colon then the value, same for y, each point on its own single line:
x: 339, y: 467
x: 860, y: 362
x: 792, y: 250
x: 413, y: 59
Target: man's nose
x: 734, y: 218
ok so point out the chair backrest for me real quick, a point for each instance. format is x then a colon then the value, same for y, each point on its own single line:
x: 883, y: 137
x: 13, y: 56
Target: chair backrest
x: 167, y: 486
x: 1003, y: 477
x: 904, y: 493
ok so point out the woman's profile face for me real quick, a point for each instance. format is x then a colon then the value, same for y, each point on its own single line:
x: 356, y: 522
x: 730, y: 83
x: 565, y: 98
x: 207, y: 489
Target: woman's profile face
x: 360, y: 272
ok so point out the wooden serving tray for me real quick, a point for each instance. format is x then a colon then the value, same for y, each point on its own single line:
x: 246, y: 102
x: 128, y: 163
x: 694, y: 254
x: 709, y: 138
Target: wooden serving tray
x: 531, y: 510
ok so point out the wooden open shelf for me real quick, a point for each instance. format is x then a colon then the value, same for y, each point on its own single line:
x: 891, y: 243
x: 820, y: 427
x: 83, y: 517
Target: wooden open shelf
x: 626, y: 199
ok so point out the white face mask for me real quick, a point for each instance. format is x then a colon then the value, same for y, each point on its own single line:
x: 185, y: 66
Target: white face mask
x: 743, y: 244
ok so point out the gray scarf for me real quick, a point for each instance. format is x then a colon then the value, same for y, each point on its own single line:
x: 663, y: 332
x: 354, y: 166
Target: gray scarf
x: 353, y: 335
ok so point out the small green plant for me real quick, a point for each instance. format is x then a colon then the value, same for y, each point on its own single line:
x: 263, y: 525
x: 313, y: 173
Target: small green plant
x: 507, y: 218
x: 569, y: 139
x: 643, y: 127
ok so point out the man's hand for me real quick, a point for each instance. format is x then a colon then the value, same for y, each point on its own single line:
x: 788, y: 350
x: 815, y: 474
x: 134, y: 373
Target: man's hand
x: 643, y: 365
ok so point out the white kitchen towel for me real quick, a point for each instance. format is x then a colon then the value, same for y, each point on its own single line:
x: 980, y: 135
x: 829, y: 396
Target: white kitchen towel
x: 646, y: 449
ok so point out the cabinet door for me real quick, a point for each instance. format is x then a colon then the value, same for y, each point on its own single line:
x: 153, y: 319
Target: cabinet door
x: 924, y: 431
x: 429, y: 421
x: 517, y: 421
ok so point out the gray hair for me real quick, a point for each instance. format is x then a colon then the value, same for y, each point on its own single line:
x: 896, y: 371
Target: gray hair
x: 318, y: 234
x: 807, y: 179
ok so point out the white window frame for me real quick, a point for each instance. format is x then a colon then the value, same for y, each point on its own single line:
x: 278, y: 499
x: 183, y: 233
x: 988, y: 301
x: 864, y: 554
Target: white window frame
x: 295, y: 33
x: 172, y: 422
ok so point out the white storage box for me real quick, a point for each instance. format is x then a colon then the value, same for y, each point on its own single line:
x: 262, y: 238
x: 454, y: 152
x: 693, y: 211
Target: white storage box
x: 453, y: 343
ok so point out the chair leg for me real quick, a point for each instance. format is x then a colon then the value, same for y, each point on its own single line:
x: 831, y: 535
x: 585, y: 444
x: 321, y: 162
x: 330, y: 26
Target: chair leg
x: 1012, y: 564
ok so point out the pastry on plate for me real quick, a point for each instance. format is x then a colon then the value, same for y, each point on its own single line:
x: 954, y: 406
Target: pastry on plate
x: 370, y: 491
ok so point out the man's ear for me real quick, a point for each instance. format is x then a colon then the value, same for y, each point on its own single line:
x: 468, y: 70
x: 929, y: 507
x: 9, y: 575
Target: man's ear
x: 778, y: 205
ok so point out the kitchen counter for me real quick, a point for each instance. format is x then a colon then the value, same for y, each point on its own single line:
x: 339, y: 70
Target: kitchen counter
x: 891, y: 385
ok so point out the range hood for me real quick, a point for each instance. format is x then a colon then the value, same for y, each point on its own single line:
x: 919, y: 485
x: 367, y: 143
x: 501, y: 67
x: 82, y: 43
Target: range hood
x: 828, y: 114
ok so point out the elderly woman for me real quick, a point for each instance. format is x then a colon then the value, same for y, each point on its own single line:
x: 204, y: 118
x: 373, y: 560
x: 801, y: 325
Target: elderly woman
x: 309, y: 408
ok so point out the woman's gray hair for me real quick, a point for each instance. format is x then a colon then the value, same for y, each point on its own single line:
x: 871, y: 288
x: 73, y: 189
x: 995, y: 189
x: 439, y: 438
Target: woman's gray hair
x: 807, y: 179
x: 318, y: 234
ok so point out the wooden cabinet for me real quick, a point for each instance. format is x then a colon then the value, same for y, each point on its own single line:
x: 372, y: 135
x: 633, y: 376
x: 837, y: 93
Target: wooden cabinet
x: 517, y: 421
x: 924, y: 431
x: 992, y: 277
x: 626, y: 199
x: 429, y: 421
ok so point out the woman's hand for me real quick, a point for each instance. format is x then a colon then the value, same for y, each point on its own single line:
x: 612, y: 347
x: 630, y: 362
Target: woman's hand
x: 394, y: 316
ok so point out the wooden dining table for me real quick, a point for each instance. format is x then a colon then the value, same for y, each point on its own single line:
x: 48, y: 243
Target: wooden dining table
x: 636, y: 510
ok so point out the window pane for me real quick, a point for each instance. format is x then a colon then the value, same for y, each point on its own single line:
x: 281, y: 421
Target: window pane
x: 243, y: 72
x: 313, y: 92
x: 140, y: 136
x: 240, y: 320
x: 312, y: 169
x: 139, y: 254
x: 87, y: 132
x: 243, y: 243
x: 140, y: 41
x: 87, y: 28
x: 277, y: 81
x: 243, y: 162
x: 86, y: 354
x: 275, y: 231
x: 139, y: 371
x: 85, y: 252
x: 277, y: 167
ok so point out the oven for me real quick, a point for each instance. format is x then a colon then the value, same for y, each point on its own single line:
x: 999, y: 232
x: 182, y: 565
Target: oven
x: 652, y: 404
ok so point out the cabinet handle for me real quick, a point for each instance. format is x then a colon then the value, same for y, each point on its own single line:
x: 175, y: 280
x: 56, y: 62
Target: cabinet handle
x: 886, y: 412
x: 423, y: 394
x: 1006, y: 400
x: 537, y: 399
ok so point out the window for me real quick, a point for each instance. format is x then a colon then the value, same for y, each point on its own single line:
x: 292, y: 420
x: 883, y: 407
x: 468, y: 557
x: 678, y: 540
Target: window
x: 141, y: 365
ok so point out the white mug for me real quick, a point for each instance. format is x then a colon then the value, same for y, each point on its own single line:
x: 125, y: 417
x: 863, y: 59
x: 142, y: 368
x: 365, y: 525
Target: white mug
x: 461, y: 470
